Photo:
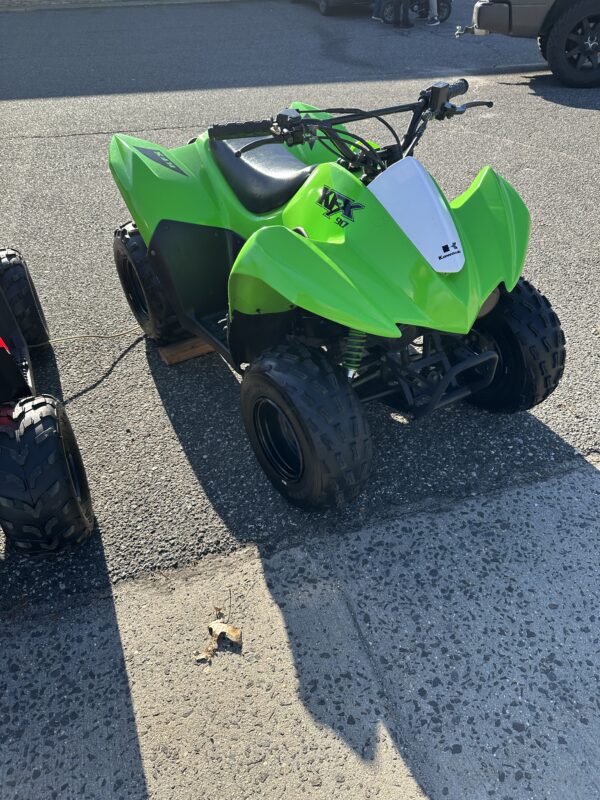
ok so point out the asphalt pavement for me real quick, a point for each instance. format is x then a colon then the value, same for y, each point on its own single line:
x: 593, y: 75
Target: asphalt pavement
x: 173, y: 478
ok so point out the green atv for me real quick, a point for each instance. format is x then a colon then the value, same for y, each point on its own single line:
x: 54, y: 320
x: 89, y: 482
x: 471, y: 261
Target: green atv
x: 329, y: 272
x: 45, y: 503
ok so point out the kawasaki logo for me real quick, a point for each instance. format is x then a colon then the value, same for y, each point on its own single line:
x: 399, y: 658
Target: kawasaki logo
x: 449, y: 250
x: 336, y: 203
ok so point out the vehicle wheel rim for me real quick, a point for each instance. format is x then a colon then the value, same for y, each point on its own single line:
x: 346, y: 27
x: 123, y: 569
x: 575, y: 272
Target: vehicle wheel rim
x: 135, y: 292
x: 582, y: 48
x: 278, y: 440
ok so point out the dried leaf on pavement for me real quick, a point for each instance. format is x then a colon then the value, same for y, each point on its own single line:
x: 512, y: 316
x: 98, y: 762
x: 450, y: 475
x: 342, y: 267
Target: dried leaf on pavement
x: 230, y: 632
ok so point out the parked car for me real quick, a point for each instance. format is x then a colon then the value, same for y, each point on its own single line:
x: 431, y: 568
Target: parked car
x: 568, y: 33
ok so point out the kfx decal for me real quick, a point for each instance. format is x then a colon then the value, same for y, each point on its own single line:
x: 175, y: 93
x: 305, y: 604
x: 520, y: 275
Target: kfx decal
x: 336, y: 203
x: 160, y: 158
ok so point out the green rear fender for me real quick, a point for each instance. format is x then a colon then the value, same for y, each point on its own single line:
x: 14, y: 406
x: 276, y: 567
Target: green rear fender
x: 158, y: 183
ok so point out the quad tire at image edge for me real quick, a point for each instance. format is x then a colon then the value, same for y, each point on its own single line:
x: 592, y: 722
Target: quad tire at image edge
x: 21, y: 294
x: 45, y: 504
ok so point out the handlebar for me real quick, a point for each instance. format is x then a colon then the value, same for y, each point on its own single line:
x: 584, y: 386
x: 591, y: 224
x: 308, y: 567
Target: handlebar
x: 292, y: 127
x: 460, y: 87
x: 234, y: 130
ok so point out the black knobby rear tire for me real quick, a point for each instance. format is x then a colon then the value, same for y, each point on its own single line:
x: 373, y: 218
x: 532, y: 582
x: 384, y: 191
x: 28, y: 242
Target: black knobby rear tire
x: 45, y: 503
x: 566, y: 38
x: 22, y: 297
x: 528, y: 337
x: 306, y: 426
x: 143, y: 289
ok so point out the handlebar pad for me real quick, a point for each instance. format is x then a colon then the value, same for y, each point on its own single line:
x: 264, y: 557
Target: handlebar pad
x: 460, y: 87
x: 240, y: 130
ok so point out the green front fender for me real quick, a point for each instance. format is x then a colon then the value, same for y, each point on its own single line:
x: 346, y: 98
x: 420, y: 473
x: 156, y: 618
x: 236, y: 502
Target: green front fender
x: 371, y: 282
x: 278, y: 269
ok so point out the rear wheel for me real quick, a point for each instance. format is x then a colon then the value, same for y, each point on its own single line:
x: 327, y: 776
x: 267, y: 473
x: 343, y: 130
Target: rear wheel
x: 45, y: 503
x: 143, y: 289
x: 325, y: 7
x: 527, y: 335
x: 17, y: 285
x: 306, y: 427
x: 573, y: 45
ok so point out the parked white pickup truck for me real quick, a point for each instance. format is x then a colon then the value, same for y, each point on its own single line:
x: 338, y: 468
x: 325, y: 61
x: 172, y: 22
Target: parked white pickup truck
x: 568, y: 32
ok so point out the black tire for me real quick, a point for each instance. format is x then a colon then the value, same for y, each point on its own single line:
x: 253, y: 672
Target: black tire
x: 574, y: 62
x: 45, y: 503
x: 444, y: 10
x: 142, y: 287
x: 387, y: 13
x: 22, y: 297
x: 527, y: 335
x: 306, y: 427
x: 325, y: 7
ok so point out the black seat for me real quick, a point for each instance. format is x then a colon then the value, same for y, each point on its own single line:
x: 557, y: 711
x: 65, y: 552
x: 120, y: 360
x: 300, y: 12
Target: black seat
x: 263, y: 179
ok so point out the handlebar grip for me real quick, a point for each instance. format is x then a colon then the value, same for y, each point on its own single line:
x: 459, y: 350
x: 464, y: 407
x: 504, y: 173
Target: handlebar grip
x: 240, y: 130
x: 460, y: 87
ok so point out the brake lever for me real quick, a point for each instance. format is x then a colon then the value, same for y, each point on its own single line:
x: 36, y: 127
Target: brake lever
x: 449, y: 110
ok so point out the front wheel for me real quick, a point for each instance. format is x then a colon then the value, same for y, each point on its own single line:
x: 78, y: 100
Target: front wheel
x: 306, y: 426
x: 527, y: 335
x: 45, y: 503
x: 573, y: 45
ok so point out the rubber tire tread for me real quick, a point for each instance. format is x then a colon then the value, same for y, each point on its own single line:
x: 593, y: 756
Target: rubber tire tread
x: 16, y: 283
x: 327, y: 417
x: 555, y: 44
x: 524, y: 322
x: 162, y: 324
x: 39, y: 509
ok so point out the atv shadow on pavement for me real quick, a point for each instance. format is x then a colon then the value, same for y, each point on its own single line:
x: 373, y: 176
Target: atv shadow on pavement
x: 462, y: 622
x: 67, y: 720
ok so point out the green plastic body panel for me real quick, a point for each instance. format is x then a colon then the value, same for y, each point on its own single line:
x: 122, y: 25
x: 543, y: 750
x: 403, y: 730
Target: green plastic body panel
x: 367, y: 275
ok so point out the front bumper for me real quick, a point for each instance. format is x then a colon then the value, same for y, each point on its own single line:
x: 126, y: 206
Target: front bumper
x: 489, y: 17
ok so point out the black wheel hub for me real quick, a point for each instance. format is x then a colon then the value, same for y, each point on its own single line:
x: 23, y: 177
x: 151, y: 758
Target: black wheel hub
x: 278, y: 440
x: 583, y: 45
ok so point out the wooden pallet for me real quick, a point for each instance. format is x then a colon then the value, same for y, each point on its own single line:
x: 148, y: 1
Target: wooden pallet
x: 183, y: 351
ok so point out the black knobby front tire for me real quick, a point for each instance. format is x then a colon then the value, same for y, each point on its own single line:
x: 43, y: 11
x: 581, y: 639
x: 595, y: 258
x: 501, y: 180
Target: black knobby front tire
x: 566, y: 45
x: 45, y: 503
x: 306, y: 426
x: 17, y: 285
x: 530, y: 342
x: 143, y: 289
